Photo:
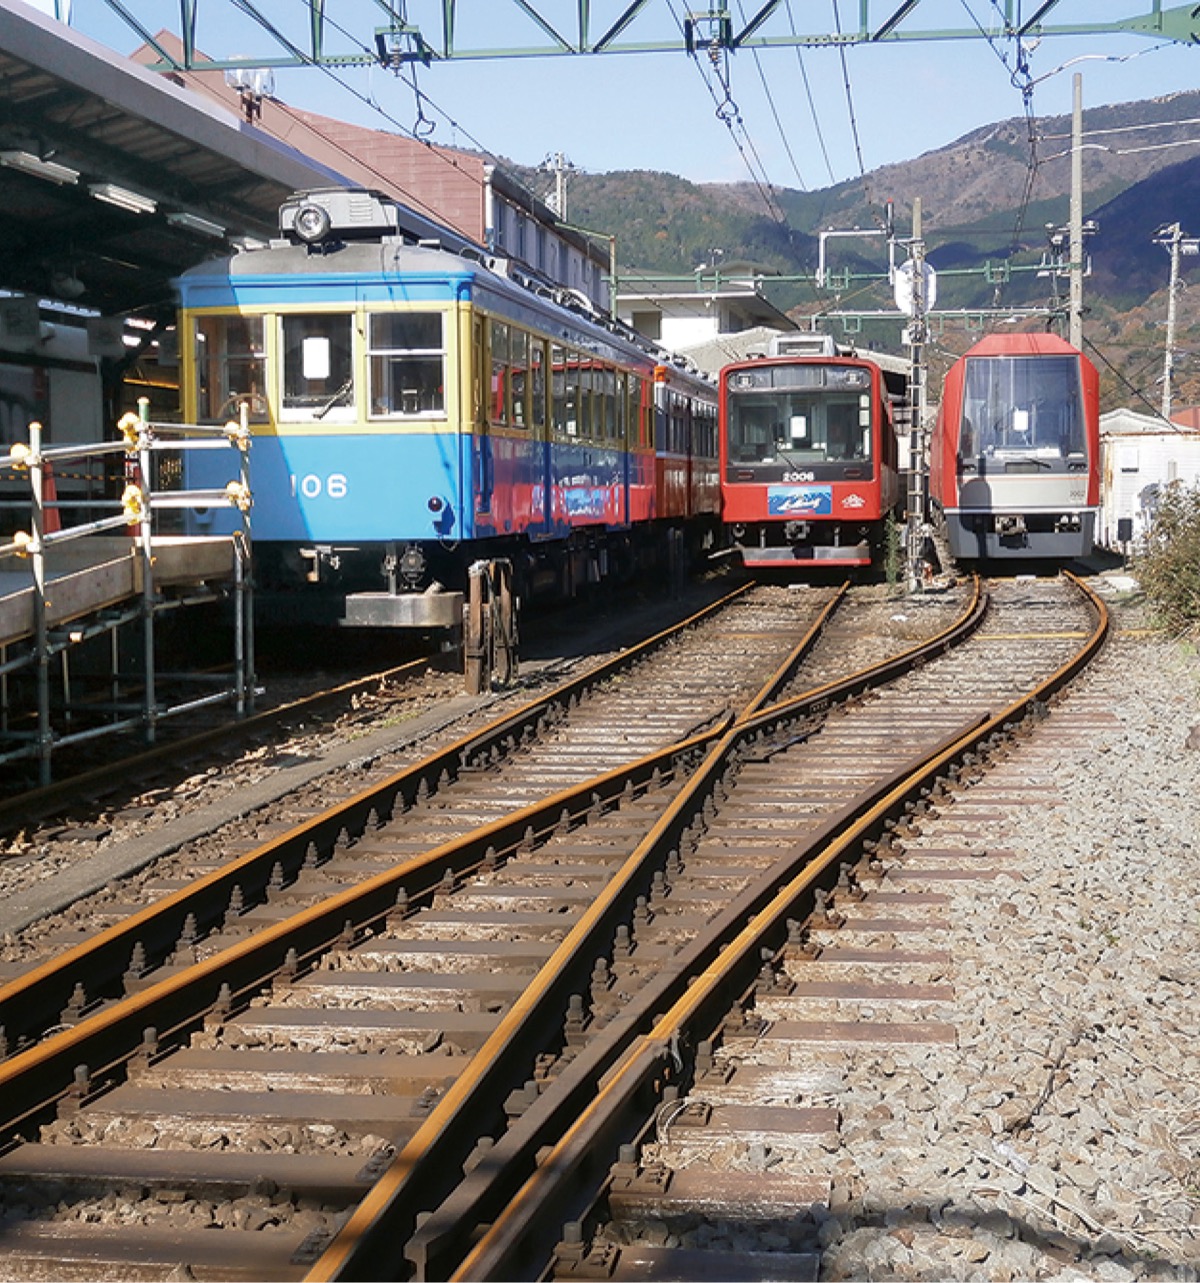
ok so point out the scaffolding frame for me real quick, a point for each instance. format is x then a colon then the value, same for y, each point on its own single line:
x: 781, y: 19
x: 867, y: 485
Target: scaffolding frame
x: 141, y: 596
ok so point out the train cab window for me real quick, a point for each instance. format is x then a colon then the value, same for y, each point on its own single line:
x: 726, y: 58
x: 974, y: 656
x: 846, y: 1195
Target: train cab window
x: 406, y: 360
x: 1025, y: 407
x: 231, y: 367
x: 318, y: 372
x: 799, y: 416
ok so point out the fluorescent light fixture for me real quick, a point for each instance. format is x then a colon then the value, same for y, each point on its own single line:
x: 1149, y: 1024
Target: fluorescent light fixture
x: 194, y: 223
x: 123, y: 198
x: 28, y: 163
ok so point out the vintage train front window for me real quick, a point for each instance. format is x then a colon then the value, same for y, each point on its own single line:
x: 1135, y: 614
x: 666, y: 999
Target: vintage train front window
x: 318, y: 370
x: 406, y: 364
x: 1026, y: 406
x: 230, y: 368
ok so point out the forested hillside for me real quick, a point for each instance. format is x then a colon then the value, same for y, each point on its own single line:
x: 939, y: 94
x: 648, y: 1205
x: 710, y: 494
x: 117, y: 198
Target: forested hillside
x: 986, y: 200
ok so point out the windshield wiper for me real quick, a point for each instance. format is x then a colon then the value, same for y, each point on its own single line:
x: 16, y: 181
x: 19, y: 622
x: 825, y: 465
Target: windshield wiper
x: 333, y: 400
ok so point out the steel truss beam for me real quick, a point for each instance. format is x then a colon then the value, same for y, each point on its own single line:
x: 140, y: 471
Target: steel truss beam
x: 549, y: 28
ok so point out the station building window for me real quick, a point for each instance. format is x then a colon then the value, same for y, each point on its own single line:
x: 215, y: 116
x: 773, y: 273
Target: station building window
x: 406, y: 364
x: 231, y: 367
x: 318, y: 371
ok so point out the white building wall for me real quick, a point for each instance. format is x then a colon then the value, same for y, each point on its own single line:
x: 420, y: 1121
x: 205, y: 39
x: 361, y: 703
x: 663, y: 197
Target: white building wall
x: 687, y: 331
x: 1137, y: 458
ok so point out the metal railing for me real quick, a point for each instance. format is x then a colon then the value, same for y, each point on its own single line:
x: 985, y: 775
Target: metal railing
x: 149, y: 452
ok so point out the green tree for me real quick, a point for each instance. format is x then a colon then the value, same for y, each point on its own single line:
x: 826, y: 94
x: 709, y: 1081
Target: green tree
x: 1169, y: 563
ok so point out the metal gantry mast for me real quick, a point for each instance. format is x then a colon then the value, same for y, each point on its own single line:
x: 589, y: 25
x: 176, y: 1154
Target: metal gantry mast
x: 449, y: 31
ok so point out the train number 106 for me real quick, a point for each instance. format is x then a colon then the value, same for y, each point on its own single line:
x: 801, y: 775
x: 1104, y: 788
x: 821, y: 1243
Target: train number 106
x: 311, y: 486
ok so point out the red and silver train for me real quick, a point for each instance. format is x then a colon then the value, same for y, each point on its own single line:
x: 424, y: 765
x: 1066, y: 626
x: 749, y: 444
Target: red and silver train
x: 808, y: 457
x: 1014, y: 460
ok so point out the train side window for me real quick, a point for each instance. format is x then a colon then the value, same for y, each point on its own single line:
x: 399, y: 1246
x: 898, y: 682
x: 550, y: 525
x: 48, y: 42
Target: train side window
x: 499, y: 345
x: 584, y: 400
x: 537, y: 383
x: 231, y: 367
x: 558, y: 390
x: 573, y: 397
x: 610, y: 404
x: 406, y: 364
x: 518, y: 355
x: 318, y: 373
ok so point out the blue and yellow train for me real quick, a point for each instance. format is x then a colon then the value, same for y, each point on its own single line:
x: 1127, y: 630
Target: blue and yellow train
x: 414, y: 409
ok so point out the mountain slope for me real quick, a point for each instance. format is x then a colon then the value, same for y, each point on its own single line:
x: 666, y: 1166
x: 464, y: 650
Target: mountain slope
x: 986, y: 201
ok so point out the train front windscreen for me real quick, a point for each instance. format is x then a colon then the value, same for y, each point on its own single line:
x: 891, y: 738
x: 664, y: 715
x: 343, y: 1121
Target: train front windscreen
x: 1024, y: 409
x: 784, y: 419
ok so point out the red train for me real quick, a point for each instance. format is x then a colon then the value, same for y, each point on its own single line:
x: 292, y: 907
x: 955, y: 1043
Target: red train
x: 1014, y: 459
x: 808, y: 460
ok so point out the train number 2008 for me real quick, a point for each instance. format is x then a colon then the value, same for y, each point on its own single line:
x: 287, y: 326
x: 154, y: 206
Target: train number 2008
x: 799, y: 476
x: 311, y: 486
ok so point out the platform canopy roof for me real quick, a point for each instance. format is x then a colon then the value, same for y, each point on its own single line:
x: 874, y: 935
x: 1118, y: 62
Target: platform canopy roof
x: 113, y: 179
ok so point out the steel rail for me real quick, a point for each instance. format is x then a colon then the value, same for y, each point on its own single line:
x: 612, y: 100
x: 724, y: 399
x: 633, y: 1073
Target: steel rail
x: 39, y: 801
x: 31, y: 1001
x: 372, y: 1243
x: 516, y: 1242
x: 31, y: 1081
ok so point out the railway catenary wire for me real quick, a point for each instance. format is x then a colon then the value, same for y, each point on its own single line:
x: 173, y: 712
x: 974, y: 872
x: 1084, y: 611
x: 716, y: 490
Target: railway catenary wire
x: 162, y: 1171
x: 513, y: 1212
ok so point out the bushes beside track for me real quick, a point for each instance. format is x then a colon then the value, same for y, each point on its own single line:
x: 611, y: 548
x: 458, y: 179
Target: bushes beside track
x: 1168, y: 565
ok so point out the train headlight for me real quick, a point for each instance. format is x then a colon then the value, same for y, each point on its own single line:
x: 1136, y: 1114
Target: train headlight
x: 312, y: 223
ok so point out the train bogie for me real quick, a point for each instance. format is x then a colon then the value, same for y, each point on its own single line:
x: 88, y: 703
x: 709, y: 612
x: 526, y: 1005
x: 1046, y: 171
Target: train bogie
x: 1014, y: 456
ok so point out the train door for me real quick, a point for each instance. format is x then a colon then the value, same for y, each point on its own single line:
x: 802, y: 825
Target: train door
x: 624, y: 443
x: 484, y: 464
x: 541, y: 415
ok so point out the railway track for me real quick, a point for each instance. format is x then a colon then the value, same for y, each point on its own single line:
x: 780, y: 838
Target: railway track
x: 723, y: 1121
x: 486, y: 989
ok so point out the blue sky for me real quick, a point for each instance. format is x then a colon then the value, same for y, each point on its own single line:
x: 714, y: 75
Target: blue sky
x: 657, y: 111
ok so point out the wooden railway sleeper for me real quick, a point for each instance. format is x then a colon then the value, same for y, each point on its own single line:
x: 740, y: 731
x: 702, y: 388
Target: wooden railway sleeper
x: 226, y: 1003
x: 509, y: 1246
x: 575, y: 1086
